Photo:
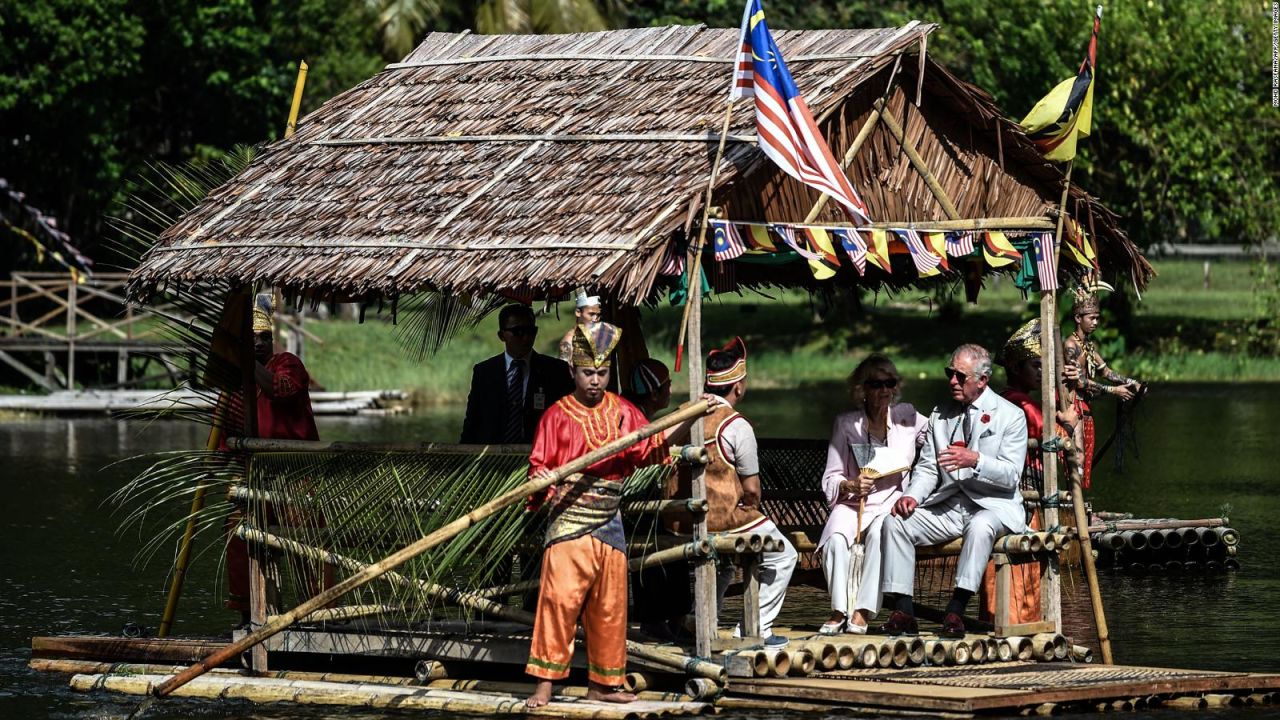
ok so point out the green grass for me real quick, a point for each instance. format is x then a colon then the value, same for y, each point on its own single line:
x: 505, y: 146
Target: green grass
x: 1179, y: 321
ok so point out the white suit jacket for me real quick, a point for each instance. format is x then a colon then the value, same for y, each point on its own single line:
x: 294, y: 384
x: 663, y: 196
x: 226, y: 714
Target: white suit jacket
x: 999, y: 434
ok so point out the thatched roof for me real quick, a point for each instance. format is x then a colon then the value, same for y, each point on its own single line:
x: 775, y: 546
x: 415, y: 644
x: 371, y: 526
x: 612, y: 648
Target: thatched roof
x: 533, y: 164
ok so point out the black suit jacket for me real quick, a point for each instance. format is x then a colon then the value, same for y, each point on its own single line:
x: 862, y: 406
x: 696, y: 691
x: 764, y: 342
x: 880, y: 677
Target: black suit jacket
x: 487, y: 402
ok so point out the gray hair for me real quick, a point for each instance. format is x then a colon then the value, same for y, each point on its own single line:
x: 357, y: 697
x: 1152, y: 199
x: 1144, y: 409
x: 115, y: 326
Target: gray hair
x: 978, y: 354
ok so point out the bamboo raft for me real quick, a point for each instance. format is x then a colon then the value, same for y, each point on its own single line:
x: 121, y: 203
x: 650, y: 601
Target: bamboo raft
x: 1165, y: 545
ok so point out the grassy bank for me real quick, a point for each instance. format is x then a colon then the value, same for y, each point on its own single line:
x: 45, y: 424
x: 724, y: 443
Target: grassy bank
x: 1179, y: 337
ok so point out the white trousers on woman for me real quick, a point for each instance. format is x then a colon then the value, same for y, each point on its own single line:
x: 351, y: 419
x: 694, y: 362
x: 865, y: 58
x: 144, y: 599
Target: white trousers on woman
x: 835, y: 565
x: 775, y: 570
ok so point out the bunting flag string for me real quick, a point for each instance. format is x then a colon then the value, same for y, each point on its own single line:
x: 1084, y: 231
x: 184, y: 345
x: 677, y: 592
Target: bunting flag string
x: 929, y: 250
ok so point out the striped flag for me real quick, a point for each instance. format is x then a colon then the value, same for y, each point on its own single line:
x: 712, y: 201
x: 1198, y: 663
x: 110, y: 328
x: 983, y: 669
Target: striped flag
x: 788, y: 235
x: 786, y: 130
x: 673, y: 263
x: 728, y: 243
x: 960, y: 244
x: 855, y: 247
x: 758, y: 239
x: 925, y: 261
x: 1046, y: 266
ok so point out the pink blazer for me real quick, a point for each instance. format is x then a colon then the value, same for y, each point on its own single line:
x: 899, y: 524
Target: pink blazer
x: 906, y: 430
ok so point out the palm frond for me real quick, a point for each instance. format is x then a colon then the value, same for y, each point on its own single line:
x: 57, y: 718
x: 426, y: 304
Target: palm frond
x: 426, y: 322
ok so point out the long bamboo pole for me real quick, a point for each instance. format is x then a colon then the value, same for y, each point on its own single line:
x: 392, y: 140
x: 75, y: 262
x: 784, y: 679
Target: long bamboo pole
x: 431, y: 540
x: 695, y: 264
x: 478, y: 603
x: 216, y: 433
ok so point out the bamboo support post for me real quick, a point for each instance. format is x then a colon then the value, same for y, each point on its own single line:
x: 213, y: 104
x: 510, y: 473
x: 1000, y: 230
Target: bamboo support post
x: 183, y: 559
x: 301, y: 83
x: 1042, y: 647
x: 348, y: 612
x: 1122, y: 525
x: 646, y: 507
x: 915, y: 651
x: 431, y: 540
x: 866, y: 654
x: 846, y: 656
x: 935, y: 652
x: 778, y: 663
x: 802, y: 663
x: 704, y: 572
x: 979, y: 651
x: 634, y: 682
x: 425, y: 671
x: 94, y: 667
x: 957, y: 652
x: 701, y: 689
x: 825, y: 655
x: 1154, y: 539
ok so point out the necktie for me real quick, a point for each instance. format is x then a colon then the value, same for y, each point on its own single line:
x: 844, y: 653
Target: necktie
x: 968, y: 426
x: 514, y: 431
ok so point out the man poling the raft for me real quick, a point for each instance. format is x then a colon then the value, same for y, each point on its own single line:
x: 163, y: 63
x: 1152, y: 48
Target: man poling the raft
x: 584, y: 568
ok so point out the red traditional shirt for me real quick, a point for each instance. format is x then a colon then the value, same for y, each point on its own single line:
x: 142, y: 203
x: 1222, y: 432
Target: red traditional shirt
x: 568, y: 430
x: 288, y: 415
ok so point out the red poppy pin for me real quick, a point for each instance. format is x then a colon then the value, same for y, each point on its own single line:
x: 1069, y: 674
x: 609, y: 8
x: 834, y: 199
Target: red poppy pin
x: 985, y: 418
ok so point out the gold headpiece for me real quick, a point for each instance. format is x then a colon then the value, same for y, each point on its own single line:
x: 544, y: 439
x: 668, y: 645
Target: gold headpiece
x: 735, y: 372
x: 1023, y: 345
x: 262, y: 321
x: 593, y: 345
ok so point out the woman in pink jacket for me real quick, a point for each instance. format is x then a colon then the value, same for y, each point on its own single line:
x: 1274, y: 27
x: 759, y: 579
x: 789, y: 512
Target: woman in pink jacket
x: 879, y: 421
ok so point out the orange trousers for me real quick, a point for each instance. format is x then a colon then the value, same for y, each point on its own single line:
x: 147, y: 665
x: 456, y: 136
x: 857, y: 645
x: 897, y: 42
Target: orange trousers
x: 1024, y: 590
x: 581, y: 577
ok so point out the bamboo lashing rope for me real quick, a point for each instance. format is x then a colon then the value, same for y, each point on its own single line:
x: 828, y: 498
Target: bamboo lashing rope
x: 431, y: 540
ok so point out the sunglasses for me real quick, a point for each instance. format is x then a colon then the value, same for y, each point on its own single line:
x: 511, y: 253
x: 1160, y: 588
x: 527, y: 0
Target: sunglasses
x: 889, y: 383
x: 957, y: 375
x: 525, y: 330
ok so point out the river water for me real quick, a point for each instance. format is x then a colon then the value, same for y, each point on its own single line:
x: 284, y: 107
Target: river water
x: 66, y: 569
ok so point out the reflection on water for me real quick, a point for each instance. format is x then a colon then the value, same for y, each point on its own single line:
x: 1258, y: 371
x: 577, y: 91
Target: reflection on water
x: 67, y: 570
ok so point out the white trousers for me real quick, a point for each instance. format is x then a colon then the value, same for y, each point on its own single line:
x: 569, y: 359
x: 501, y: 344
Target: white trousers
x: 835, y: 565
x: 775, y: 570
x: 958, y: 516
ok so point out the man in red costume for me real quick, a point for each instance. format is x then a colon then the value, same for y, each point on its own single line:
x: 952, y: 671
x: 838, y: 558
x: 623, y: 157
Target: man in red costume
x: 284, y: 412
x: 584, y: 567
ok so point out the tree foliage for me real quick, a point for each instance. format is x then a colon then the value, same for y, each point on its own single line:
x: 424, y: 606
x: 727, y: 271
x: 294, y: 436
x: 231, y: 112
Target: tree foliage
x: 1184, y: 146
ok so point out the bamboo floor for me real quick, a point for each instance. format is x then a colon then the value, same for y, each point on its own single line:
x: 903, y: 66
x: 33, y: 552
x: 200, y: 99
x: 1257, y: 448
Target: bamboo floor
x: 991, y: 688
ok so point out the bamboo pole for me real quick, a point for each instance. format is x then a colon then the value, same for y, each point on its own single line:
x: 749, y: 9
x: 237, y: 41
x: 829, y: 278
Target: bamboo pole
x: 251, y: 444
x: 695, y: 263
x: 861, y: 138
x: 216, y: 433
x: 1139, y: 525
x: 687, y: 551
x: 297, y: 100
x: 427, y: 542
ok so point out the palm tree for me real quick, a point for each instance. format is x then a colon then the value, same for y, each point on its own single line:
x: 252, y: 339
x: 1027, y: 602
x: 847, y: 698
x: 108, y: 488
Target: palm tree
x: 401, y: 22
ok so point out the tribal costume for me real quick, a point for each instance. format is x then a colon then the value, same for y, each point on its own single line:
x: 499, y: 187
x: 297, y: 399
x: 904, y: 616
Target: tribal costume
x: 584, y: 568
x: 1079, y: 350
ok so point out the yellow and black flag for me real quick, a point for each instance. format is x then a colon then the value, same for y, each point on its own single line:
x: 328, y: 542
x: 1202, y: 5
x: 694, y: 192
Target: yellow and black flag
x: 1066, y: 113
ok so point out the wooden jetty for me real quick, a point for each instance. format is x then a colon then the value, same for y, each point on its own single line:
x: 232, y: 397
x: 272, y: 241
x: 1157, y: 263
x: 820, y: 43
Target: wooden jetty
x: 91, y: 402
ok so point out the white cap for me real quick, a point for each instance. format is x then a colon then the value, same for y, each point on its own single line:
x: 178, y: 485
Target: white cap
x: 585, y: 300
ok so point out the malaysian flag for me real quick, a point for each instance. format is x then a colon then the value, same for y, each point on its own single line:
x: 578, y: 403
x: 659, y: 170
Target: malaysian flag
x: 1046, y: 265
x: 672, y: 263
x: 786, y: 130
x: 960, y: 244
x: 788, y: 235
x: 728, y: 243
x: 854, y: 246
x: 926, y: 262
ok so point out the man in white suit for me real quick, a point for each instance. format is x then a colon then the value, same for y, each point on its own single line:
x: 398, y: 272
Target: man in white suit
x: 965, y: 484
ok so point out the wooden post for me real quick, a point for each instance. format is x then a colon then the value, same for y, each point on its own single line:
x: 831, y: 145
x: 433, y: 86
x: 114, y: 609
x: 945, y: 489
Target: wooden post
x: 258, y: 610
x: 750, y: 595
x: 71, y: 334
x: 704, y: 570
x: 1050, y: 376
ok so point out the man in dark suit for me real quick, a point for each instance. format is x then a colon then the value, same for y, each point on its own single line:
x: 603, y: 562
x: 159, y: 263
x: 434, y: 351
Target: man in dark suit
x: 510, y: 391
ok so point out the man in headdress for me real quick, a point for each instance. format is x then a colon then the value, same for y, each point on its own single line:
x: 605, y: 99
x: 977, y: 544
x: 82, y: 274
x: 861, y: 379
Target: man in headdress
x: 283, y: 405
x: 584, y: 566
x: 511, y: 390
x: 965, y: 484
x: 1092, y: 376
x: 1021, y: 358
x: 732, y: 480
x: 586, y: 311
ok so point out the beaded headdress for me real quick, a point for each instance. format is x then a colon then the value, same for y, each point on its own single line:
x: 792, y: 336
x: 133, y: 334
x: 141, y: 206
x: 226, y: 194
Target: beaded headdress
x: 262, y: 311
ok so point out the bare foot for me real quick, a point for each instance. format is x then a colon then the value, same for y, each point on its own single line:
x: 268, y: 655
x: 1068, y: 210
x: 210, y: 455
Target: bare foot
x: 604, y: 693
x: 541, y: 695
x: 860, y: 618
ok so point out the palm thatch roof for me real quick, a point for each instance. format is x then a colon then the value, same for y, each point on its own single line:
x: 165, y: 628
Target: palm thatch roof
x: 533, y: 164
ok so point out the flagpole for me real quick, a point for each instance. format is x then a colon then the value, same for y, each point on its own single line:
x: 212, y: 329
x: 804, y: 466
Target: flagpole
x: 695, y: 266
